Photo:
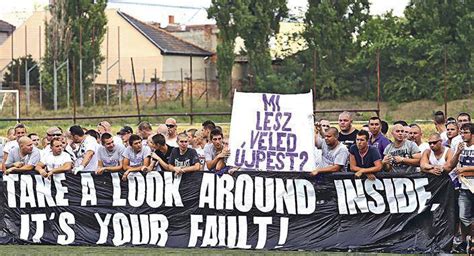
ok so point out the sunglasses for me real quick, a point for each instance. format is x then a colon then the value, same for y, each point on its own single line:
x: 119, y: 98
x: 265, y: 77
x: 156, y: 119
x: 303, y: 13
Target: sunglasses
x: 433, y: 142
x: 170, y: 125
x: 55, y: 134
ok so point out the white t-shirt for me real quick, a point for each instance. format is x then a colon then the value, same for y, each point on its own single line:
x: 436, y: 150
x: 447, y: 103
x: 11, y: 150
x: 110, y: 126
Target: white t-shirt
x: 9, y: 145
x: 467, y: 159
x: 111, y: 158
x: 51, y: 161
x: 455, y: 142
x: 202, y: 158
x: 336, y: 156
x: 136, y: 159
x: 172, y: 142
x: 118, y: 141
x: 423, y: 146
x: 88, y: 144
x: 444, y: 136
x: 318, y: 156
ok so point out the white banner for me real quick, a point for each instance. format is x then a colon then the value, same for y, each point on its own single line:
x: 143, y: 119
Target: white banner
x: 272, y: 132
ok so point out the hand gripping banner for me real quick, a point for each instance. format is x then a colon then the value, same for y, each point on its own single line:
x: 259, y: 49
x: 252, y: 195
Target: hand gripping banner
x: 249, y: 210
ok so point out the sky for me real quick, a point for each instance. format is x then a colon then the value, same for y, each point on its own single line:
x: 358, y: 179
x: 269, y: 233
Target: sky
x: 185, y: 11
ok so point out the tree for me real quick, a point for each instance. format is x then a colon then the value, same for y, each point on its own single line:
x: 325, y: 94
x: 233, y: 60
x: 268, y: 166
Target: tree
x: 331, y: 27
x: 225, y: 13
x: 73, y: 24
x: 18, y: 65
x: 260, y: 22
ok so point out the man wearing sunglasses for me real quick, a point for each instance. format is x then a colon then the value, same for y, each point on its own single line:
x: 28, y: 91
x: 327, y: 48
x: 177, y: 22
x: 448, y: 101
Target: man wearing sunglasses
x: 437, y: 158
x: 172, y: 135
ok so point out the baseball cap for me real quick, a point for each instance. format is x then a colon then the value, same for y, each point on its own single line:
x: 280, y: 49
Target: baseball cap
x: 54, y: 130
x: 124, y: 130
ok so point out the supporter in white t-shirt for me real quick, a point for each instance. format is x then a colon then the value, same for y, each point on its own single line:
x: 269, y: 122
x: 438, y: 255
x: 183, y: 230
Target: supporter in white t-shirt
x: 54, y: 161
x: 86, y: 151
x: 136, y: 158
x: 109, y: 154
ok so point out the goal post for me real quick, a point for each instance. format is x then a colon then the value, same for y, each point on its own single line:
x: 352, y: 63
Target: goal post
x: 6, y: 99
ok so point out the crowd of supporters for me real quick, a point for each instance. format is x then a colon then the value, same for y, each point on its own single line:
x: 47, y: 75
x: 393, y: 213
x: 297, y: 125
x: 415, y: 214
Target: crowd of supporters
x: 448, y: 151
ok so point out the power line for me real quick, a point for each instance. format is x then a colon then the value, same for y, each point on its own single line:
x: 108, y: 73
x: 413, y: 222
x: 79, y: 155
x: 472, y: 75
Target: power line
x: 157, y: 5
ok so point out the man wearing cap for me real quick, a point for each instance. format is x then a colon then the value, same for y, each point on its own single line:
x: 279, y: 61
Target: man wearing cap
x: 86, y: 157
x: 55, y: 132
x: 172, y: 135
x: 124, y: 134
x: 20, y: 131
x: 22, y: 158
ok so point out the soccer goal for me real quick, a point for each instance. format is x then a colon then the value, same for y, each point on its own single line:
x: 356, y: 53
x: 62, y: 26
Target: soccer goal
x: 10, y: 99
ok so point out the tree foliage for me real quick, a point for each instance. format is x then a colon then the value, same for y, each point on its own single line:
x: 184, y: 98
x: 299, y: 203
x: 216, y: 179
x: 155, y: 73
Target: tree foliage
x: 256, y: 22
x: 343, y: 41
x: 226, y: 13
x: 16, y: 70
x: 76, y: 30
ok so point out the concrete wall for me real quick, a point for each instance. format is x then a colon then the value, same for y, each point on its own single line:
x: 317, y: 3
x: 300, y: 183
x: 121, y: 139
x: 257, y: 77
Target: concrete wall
x: 35, y: 39
x: 172, y: 65
x: 146, y: 56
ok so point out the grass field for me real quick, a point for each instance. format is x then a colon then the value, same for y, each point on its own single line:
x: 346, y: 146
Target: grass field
x: 14, y: 250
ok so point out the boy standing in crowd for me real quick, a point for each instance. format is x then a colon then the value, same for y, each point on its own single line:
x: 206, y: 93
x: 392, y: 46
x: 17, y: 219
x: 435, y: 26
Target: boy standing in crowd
x: 214, y: 151
x: 184, y: 159
x: 110, y: 155
x: 136, y: 157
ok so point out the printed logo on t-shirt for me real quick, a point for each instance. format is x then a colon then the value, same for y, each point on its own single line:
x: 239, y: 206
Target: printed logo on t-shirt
x: 184, y: 163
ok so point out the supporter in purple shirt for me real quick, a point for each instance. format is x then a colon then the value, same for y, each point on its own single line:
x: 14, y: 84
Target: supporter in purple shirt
x: 377, y: 139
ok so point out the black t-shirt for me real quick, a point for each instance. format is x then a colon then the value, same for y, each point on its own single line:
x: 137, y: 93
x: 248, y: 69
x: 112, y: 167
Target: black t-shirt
x: 348, y: 139
x: 189, y: 158
x: 368, y: 160
x: 164, y: 157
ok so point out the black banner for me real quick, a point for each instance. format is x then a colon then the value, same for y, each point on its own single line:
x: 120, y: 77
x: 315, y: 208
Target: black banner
x: 249, y: 210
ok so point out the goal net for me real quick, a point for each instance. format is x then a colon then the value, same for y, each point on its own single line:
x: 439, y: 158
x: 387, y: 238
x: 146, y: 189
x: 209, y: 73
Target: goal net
x: 9, y: 104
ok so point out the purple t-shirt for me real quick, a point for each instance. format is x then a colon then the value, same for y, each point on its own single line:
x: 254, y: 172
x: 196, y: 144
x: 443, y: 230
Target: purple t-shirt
x: 380, y: 142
